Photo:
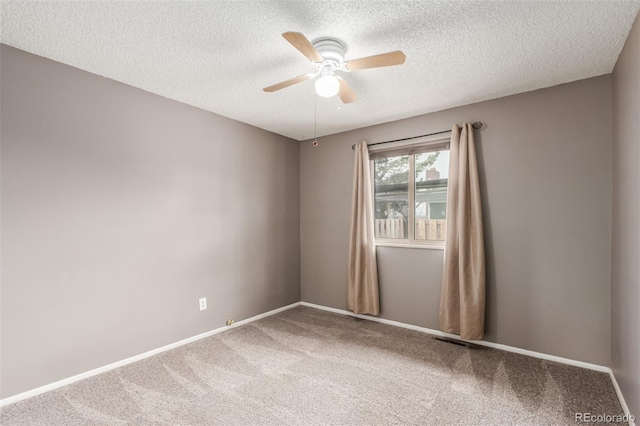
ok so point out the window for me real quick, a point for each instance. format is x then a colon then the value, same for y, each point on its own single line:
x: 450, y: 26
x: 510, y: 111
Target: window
x: 410, y: 193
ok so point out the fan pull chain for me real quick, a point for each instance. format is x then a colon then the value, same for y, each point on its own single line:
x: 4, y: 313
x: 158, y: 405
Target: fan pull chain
x: 315, y: 120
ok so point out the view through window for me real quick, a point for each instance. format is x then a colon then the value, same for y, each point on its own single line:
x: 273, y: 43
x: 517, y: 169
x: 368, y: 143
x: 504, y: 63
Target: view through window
x: 410, y: 196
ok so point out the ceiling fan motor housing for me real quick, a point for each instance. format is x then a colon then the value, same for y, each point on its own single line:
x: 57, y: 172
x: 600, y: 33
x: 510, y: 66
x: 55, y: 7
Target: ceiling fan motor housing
x: 332, y: 50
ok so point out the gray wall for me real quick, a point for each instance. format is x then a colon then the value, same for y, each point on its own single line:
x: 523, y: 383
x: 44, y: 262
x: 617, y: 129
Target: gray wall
x: 625, y: 254
x: 120, y: 209
x: 545, y: 170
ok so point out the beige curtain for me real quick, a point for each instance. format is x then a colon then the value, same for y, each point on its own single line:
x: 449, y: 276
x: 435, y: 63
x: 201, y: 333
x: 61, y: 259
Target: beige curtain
x: 462, y: 300
x: 362, y: 288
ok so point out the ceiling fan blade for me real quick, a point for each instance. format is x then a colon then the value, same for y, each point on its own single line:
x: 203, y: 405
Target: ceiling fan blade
x: 300, y: 42
x: 377, y: 61
x: 346, y: 94
x: 290, y: 82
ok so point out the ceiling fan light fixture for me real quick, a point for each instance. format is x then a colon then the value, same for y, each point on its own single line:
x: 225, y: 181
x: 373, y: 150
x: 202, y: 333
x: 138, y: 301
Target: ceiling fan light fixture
x: 327, y: 86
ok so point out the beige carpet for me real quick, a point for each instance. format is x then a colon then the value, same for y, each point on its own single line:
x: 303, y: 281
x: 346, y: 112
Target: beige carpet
x: 309, y: 367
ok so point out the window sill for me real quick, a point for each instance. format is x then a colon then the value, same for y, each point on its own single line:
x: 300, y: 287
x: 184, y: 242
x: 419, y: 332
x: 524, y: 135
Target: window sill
x: 411, y: 246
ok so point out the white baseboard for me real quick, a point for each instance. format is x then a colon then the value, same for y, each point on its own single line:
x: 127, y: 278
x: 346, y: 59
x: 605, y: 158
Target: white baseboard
x: 121, y: 363
x: 475, y: 342
x: 507, y: 348
x: 623, y: 403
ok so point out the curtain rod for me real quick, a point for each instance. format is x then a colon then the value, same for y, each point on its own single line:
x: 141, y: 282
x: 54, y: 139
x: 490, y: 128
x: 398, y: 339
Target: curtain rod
x: 477, y: 125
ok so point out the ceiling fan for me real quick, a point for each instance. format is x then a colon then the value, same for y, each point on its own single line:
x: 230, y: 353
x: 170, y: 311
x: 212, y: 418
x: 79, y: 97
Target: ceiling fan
x: 327, y: 54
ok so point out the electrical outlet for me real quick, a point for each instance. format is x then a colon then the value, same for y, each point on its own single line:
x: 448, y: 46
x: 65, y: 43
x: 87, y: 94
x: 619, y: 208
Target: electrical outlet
x: 203, y: 303
x: 229, y: 322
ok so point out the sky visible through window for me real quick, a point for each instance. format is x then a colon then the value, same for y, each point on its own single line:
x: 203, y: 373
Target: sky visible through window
x: 442, y: 164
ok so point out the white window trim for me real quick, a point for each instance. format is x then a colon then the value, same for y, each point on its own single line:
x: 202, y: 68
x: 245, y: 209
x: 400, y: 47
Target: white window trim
x: 430, y: 245
x: 426, y: 140
x: 410, y: 242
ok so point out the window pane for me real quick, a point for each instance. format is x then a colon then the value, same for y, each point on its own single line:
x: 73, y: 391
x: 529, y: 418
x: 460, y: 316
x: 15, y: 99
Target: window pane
x: 432, y: 175
x: 391, y: 192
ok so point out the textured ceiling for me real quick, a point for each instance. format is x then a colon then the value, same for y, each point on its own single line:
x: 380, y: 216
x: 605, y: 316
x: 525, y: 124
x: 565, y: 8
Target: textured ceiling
x: 218, y: 55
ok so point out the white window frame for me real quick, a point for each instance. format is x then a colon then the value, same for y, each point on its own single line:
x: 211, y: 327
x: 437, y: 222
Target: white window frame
x: 411, y: 242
